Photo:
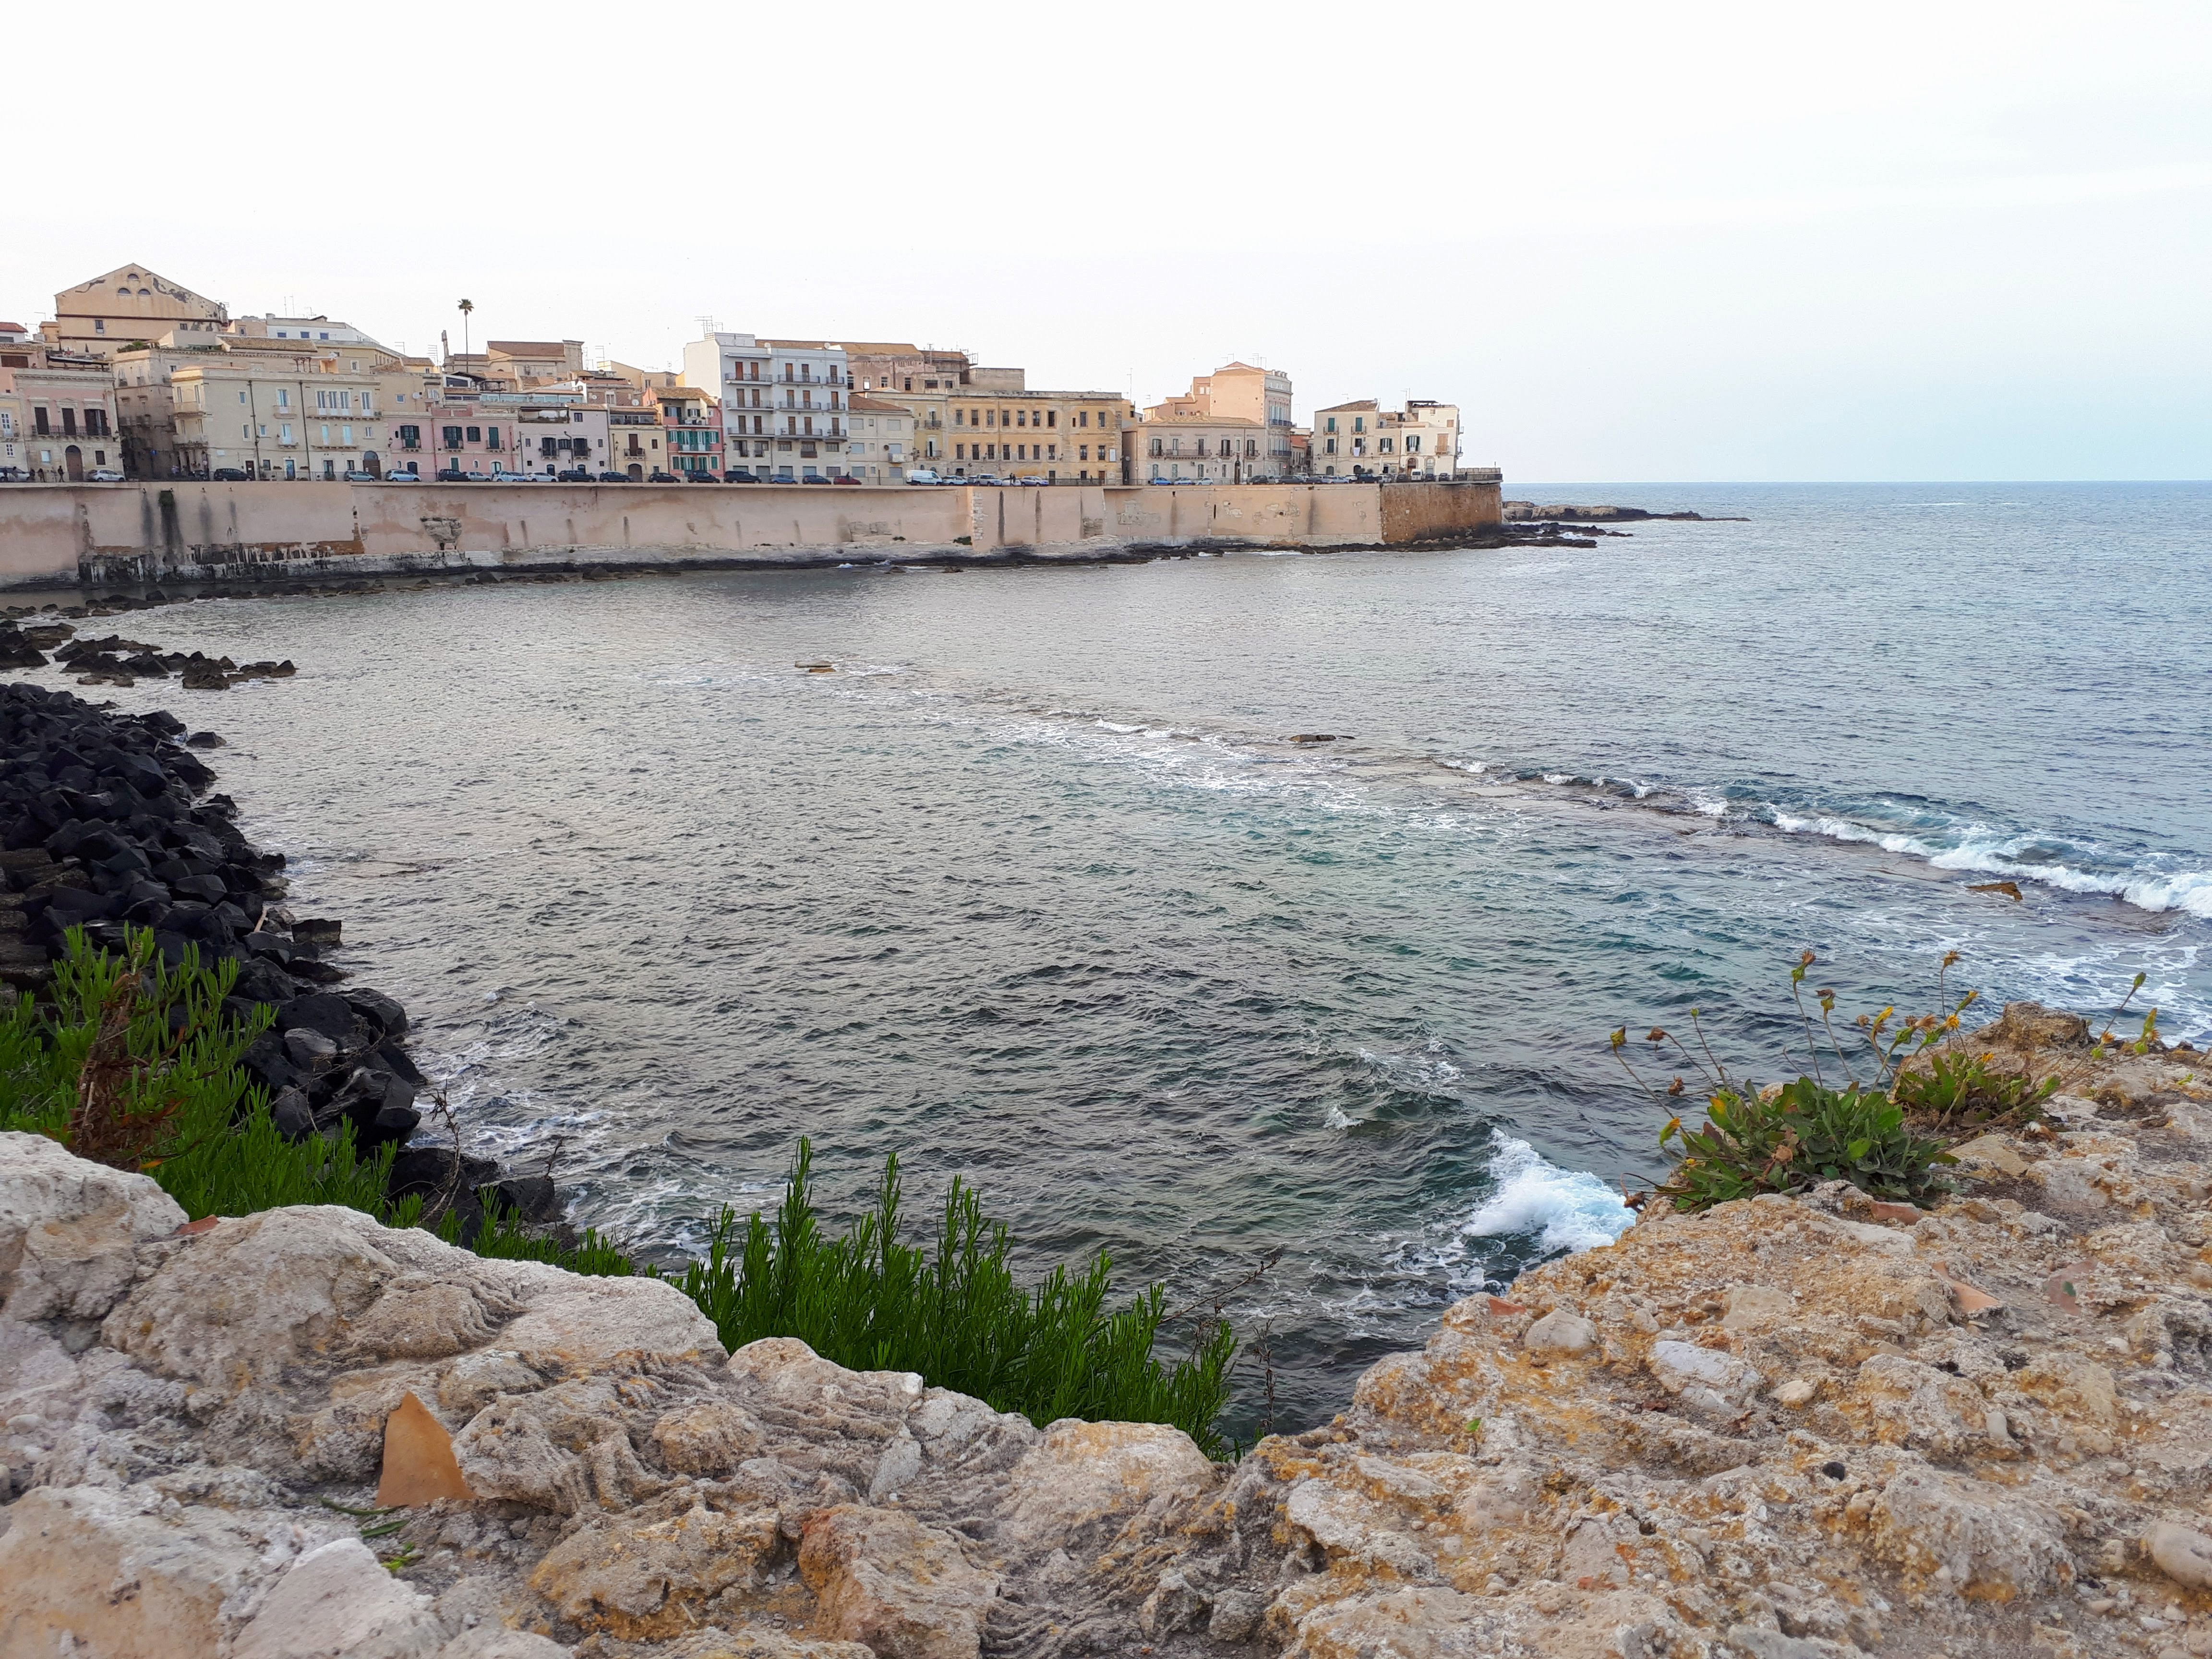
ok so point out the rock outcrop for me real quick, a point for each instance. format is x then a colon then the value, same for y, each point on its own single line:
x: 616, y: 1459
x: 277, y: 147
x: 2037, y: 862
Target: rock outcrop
x: 1790, y: 1428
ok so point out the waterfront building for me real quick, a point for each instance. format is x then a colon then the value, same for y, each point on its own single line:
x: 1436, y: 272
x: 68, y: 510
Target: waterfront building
x: 1242, y: 391
x: 783, y: 402
x: 149, y: 410
x: 56, y: 411
x: 273, y: 416
x: 881, y: 444
x: 692, y: 428
x: 633, y: 442
x: 1204, y: 449
x: 129, y: 304
x: 1058, y: 436
x: 1363, y: 440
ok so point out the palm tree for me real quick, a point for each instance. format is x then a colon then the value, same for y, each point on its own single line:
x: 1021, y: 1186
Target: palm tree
x: 467, y: 305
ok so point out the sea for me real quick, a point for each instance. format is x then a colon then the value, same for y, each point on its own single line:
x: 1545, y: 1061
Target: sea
x: 1046, y: 883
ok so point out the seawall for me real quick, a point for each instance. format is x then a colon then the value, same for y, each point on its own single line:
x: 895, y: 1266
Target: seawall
x: 56, y: 535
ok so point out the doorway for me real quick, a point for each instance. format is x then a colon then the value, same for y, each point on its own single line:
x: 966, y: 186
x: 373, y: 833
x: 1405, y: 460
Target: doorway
x: 74, y: 457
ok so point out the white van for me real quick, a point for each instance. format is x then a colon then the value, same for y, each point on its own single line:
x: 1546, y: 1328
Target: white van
x: 918, y: 475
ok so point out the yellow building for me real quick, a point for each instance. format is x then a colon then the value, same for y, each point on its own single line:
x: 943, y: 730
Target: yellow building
x: 1072, y: 437
x: 268, y: 417
x: 880, y: 442
x: 1363, y: 439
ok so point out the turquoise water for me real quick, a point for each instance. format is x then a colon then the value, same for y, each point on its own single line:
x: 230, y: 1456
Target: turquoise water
x: 1035, y: 889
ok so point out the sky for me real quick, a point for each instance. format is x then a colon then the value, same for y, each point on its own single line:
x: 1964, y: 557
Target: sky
x: 1694, y: 242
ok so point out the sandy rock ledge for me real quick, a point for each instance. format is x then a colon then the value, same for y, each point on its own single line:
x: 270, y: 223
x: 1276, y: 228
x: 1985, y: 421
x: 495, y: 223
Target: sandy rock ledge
x: 1789, y: 1428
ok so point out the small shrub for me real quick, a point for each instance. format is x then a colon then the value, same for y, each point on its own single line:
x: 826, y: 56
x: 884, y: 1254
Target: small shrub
x: 1796, y: 1137
x: 1956, y: 1089
x: 955, y: 1315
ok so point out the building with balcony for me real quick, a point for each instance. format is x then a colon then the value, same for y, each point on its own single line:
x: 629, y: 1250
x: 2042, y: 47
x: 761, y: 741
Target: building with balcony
x: 57, y: 412
x: 633, y: 442
x: 880, y: 446
x: 269, y: 418
x: 1059, y: 436
x: 1240, y: 391
x: 1202, y: 449
x: 783, y: 402
x: 1361, y: 440
x: 550, y: 430
x: 691, y: 429
x: 879, y: 366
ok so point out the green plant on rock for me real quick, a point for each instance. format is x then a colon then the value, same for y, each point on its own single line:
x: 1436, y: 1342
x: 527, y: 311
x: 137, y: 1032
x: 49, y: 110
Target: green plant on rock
x: 1958, y: 1089
x: 955, y: 1315
x: 137, y: 1065
x: 1797, y: 1136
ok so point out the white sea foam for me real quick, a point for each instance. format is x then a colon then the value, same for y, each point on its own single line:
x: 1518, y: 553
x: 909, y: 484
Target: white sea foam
x: 1982, y: 850
x: 1565, y: 1209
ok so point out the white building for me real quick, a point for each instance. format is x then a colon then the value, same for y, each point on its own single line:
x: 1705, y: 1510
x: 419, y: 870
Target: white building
x: 1363, y: 439
x: 785, y: 403
x: 320, y: 331
x: 880, y: 442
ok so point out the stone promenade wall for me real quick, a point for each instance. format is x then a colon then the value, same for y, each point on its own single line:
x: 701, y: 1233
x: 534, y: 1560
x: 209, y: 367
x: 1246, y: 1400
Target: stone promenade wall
x: 61, y: 534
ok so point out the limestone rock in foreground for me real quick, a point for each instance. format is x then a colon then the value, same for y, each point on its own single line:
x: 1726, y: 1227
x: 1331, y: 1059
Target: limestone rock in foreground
x: 1789, y: 1429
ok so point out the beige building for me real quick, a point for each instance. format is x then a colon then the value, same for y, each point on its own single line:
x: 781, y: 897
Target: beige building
x: 1200, y: 448
x: 1063, y: 437
x: 882, y: 445
x: 57, y: 412
x: 147, y: 408
x: 1363, y: 440
x: 130, y: 303
x: 1241, y: 391
x: 271, y: 416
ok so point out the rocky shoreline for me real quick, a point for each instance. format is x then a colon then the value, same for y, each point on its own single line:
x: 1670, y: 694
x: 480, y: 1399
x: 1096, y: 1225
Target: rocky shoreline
x: 107, y: 824
x: 1802, y: 1427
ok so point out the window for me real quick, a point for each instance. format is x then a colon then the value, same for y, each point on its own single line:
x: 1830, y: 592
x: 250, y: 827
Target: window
x: 284, y: 432
x: 1052, y: 417
x: 491, y: 437
x: 1359, y: 424
x: 452, y: 436
x: 241, y: 396
x: 283, y: 398
x: 1331, y: 427
x: 1159, y: 448
x: 476, y: 434
x: 1083, y: 452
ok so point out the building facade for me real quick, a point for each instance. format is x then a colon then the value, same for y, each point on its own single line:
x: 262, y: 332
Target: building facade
x: 130, y: 303
x: 255, y: 415
x: 1071, y: 436
x: 633, y: 442
x: 783, y: 403
x: 1201, y: 449
x: 1361, y: 440
x: 57, y: 414
x: 691, y: 430
x: 880, y: 445
x: 1242, y: 391
x: 877, y: 366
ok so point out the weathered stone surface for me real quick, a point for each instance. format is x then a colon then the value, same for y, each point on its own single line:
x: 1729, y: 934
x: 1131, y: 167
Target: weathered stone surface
x: 1562, y: 1333
x: 337, y: 1603
x: 67, y: 1228
x: 1788, y: 1433
x: 1083, y: 1474
x: 901, y: 1588
x: 646, y: 1574
x: 87, y: 1569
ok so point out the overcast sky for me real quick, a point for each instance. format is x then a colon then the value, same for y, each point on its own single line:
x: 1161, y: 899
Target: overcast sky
x: 1688, y: 242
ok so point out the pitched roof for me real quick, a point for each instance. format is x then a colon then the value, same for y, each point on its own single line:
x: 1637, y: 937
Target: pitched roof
x: 867, y: 405
x: 527, y: 348
x: 1338, y: 409
x: 1200, y: 420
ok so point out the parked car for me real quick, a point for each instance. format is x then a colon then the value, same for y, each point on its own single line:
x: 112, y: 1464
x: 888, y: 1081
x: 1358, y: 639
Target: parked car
x: 356, y: 474
x: 701, y: 478
x: 1027, y: 482
x: 454, y: 475
x: 614, y: 478
x: 576, y: 475
x: 922, y: 474
x: 408, y: 477
x: 104, y: 475
x: 229, y: 475
x: 657, y: 476
x: 984, y: 479
x: 739, y: 475
x: 501, y: 475
x: 14, y: 475
x: 844, y: 478
x: 814, y: 478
